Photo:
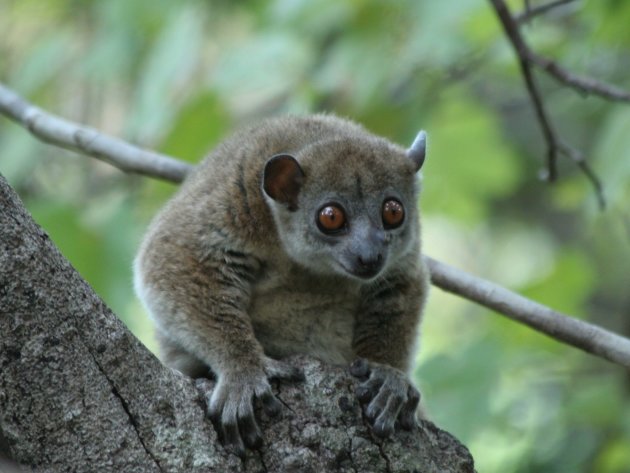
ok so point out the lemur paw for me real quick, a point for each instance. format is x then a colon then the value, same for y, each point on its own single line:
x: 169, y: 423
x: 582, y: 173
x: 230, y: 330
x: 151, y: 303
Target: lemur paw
x: 387, y: 396
x: 231, y: 404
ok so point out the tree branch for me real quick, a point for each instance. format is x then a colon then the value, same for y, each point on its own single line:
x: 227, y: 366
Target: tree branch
x: 580, y: 334
x: 85, y: 140
x: 563, y: 328
x: 511, y: 30
x: 584, y: 85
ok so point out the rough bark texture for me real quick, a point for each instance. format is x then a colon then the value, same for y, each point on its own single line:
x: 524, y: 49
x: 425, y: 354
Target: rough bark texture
x: 79, y: 393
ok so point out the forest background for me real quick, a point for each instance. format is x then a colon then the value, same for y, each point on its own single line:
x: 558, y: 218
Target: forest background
x: 179, y: 76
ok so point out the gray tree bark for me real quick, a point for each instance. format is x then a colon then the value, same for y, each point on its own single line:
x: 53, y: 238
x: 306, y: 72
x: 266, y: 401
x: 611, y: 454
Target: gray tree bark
x: 79, y: 393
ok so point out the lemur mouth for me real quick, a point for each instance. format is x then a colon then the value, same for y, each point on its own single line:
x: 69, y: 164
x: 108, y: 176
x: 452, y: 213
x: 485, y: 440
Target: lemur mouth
x: 363, y: 272
x: 367, y: 274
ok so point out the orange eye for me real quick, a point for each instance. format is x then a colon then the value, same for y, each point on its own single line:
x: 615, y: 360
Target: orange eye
x: 331, y: 218
x: 393, y: 213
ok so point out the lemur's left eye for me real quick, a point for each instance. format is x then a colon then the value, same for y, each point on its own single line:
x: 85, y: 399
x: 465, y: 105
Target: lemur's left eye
x: 393, y: 214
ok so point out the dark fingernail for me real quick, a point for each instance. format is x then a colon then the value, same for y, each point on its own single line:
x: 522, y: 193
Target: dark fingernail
x: 239, y: 450
x: 363, y: 394
x: 408, y: 422
x: 383, y: 429
x: 371, y: 413
x: 298, y: 375
x: 233, y: 438
x: 359, y: 367
x: 215, y: 417
x: 250, y: 432
x: 413, y: 395
x: 271, y: 405
x: 253, y: 439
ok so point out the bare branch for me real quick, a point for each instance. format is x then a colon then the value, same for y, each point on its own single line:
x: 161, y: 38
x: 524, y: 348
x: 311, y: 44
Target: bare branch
x: 522, y: 51
x: 527, y: 57
x: 527, y: 5
x: 563, y: 328
x: 580, y: 334
x: 584, y: 85
x: 529, y: 13
x: 89, y: 141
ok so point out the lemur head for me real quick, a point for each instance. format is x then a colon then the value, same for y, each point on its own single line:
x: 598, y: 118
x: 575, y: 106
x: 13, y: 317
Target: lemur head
x: 346, y: 205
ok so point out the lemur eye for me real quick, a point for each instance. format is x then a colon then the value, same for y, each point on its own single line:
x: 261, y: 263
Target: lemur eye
x: 331, y: 219
x: 393, y: 213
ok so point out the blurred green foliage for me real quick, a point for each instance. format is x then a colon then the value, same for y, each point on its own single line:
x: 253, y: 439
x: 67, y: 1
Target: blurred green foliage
x: 178, y: 76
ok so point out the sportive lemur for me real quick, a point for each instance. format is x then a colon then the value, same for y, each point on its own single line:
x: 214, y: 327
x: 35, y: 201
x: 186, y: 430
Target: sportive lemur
x: 299, y: 235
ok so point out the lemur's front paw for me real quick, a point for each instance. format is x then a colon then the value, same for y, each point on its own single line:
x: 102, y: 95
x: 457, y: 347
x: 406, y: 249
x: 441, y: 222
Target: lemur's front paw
x: 387, y: 395
x: 231, y: 405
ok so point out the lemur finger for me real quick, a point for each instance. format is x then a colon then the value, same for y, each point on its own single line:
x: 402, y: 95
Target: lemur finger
x: 368, y: 389
x: 377, y: 405
x: 231, y: 435
x: 407, y: 416
x: 249, y: 430
x: 384, y: 424
x: 216, y: 403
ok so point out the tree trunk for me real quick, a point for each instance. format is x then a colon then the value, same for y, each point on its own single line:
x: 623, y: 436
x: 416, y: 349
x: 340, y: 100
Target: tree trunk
x: 79, y: 393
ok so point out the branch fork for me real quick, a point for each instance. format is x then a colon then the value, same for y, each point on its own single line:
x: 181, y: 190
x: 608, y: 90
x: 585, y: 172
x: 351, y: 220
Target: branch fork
x: 584, y: 85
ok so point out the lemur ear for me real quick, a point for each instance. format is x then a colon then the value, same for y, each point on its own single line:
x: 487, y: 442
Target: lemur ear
x: 283, y: 178
x: 418, y: 149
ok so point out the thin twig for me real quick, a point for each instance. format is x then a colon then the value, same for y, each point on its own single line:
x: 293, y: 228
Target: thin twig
x: 522, y: 52
x: 529, y: 13
x: 563, y: 328
x: 61, y: 132
x: 578, y: 158
x: 584, y: 85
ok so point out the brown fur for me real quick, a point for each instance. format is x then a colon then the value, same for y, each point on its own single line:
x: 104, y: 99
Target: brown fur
x: 230, y: 274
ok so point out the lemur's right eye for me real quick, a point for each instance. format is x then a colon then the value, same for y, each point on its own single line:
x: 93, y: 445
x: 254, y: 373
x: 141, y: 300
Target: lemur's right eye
x: 331, y: 219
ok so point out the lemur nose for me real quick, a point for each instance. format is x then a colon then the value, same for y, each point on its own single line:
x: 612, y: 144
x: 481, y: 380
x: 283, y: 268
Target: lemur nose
x: 370, y: 262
